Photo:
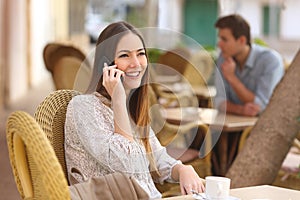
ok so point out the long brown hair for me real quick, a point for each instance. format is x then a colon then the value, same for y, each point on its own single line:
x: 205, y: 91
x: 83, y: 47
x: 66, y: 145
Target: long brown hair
x: 138, y: 102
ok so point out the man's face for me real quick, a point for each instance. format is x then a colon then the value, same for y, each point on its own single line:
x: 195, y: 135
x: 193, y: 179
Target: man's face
x: 229, y: 46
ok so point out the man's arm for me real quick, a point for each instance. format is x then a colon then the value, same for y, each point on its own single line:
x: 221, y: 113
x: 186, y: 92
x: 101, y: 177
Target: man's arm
x: 228, y: 69
x: 221, y: 100
x: 269, y: 78
x: 248, y: 109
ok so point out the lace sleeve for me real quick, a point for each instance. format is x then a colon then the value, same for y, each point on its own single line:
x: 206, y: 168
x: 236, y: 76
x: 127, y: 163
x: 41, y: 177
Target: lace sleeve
x: 164, y: 161
x: 94, y: 125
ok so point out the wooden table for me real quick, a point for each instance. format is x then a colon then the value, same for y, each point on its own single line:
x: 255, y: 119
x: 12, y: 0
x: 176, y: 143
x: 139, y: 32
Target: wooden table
x: 203, y: 90
x: 266, y: 192
x: 203, y: 93
x: 228, y: 126
x: 209, y: 116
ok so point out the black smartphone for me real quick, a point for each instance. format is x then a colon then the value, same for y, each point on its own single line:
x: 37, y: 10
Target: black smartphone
x: 110, y: 64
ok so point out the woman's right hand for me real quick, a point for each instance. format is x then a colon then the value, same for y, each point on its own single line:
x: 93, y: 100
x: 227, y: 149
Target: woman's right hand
x: 112, y: 81
x: 114, y: 86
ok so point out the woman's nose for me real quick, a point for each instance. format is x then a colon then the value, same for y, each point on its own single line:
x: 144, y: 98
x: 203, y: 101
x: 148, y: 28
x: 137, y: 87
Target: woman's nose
x: 134, y: 61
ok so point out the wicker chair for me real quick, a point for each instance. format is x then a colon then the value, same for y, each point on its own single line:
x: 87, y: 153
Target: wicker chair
x: 200, y: 69
x: 167, y: 132
x: 170, y: 98
x: 198, y: 72
x: 50, y: 115
x: 174, y: 61
x: 37, y: 172
x: 68, y: 65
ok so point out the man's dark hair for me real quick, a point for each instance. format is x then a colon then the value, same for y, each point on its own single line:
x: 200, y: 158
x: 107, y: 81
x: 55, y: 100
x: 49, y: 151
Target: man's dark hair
x: 237, y: 25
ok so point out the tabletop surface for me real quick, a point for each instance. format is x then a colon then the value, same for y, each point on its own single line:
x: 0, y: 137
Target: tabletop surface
x: 207, y: 91
x: 208, y: 116
x: 262, y: 192
x: 265, y: 192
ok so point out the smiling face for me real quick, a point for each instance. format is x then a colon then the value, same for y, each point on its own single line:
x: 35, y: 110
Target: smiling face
x: 131, y: 58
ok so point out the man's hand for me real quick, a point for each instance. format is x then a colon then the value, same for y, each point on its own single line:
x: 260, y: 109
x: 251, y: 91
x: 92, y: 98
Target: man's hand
x: 251, y: 109
x: 228, y: 69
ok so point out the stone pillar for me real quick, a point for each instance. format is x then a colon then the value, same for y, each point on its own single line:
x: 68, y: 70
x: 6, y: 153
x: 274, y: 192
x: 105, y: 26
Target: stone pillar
x: 77, y: 16
x: 3, y: 59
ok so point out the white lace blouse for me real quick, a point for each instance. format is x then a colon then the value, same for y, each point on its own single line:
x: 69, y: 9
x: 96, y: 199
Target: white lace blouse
x: 92, y: 146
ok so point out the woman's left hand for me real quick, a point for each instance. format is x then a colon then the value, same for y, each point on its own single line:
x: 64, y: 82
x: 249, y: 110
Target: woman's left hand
x: 190, y: 181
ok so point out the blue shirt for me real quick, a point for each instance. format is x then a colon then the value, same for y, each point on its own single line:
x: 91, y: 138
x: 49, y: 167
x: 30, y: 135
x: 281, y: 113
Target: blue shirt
x: 261, y: 73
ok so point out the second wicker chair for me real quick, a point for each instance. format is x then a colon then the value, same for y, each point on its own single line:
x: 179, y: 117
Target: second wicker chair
x: 36, y: 169
x: 51, y: 115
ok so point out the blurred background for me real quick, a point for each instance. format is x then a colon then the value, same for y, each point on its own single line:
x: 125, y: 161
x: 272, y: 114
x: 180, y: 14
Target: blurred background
x: 26, y: 26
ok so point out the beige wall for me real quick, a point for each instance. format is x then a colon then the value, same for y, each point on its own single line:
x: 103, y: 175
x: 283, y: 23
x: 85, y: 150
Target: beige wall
x: 2, y: 86
x: 26, y: 26
x: 17, y: 60
x: 12, y: 51
x: 48, y: 22
x: 77, y: 12
x: 59, y: 19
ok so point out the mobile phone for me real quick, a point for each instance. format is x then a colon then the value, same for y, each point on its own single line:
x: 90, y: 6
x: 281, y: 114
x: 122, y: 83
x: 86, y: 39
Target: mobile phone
x: 121, y: 77
x: 106, y: 60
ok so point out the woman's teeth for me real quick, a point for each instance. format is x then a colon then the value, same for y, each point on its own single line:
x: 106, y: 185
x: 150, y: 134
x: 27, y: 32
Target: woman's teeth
x: 132, y: 74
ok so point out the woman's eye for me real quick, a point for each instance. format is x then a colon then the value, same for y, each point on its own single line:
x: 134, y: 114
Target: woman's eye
x: 123, y: 55
x: 142, y: 54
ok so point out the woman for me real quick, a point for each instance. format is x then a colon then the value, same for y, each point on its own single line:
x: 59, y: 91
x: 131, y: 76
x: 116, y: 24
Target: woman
x: 107, y: 129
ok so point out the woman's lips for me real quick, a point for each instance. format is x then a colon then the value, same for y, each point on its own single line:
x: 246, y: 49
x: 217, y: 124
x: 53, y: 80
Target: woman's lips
x: 132, y: 74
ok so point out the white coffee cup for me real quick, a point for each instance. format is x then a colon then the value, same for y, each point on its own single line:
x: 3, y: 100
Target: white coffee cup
x: 217, y: 188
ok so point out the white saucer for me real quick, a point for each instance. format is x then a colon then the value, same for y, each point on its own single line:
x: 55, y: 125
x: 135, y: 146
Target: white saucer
x: 202, y: 196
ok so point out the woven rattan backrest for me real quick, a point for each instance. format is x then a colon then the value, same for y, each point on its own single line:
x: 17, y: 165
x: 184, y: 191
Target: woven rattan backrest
x: 39, y: 167
x: 175, y: 59
x: 68, y: 65
x: 51, y: 115
x: 200, y: 69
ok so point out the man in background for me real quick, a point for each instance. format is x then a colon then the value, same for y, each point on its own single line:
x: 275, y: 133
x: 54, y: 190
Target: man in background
x: 249, y: 72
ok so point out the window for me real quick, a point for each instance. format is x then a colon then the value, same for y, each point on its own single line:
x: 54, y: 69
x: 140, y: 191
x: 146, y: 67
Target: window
x: 271, y: 20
